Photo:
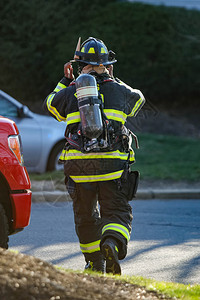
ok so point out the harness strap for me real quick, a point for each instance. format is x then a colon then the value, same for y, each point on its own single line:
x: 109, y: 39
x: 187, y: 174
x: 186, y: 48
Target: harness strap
x: 135, y: 139
x: 73, y: 143
x: 89, y: 100
x: 72, y: 83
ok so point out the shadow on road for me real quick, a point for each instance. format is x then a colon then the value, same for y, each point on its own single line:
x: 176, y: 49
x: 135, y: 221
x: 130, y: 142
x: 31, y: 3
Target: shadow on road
x: 164, y: 242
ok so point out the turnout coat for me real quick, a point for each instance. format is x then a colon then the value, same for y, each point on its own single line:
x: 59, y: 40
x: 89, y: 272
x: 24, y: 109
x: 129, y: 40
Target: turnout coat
x: 120, y: 101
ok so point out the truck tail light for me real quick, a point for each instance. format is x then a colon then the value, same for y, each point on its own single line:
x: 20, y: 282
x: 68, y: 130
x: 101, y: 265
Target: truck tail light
x: 14, y: 144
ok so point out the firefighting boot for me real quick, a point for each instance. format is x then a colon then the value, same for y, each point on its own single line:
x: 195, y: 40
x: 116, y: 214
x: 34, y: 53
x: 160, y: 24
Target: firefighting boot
x: 97, y: 265
x: 110, y: 252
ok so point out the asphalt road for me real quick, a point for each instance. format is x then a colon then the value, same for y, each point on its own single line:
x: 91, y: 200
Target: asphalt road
x: 165, y: 241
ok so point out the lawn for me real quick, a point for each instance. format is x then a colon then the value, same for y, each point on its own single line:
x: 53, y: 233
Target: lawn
x: 171, y: 289
x: 168, y: 157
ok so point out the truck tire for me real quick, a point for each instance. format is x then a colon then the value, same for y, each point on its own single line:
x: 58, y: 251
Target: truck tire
x: 3, y: 228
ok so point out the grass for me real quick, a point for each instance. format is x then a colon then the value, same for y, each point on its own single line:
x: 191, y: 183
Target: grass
x: 159, y: 157
x: 169, y: 289
x: 168, y: 157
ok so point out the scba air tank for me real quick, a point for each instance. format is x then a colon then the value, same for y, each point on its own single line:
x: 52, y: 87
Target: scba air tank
x: 89, y: 106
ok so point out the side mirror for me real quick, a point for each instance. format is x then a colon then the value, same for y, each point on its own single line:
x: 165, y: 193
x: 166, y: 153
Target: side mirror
x: 23, y: 112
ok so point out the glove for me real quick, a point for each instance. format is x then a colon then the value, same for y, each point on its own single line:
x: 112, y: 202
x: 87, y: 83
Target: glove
x: 68, y: 71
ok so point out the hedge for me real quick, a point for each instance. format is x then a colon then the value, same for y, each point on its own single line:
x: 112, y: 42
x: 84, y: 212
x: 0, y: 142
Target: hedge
x: 157, y: 47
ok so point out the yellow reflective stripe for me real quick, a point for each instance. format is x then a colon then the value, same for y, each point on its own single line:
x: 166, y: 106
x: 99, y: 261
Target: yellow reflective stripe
x: 53, y: 110
x: 75, y: 154
x: 93, y: 178
x: 91, y: 50
x: 90, y: 247
x: 135, y: 108
x: 132, y: 156
x: 116, y: 115
x: 103, y: 50
x: 117, y: 227
x: 73, y: 117
x: 59, y: 87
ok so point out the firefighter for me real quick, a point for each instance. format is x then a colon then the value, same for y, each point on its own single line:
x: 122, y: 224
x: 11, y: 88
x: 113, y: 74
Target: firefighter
x: 97, y: 169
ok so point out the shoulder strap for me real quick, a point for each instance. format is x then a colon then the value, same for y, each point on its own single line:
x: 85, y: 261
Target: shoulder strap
x: 135, y: 139
x: 72, y: 83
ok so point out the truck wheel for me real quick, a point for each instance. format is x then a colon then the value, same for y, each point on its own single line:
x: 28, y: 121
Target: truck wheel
x: 3, y: 228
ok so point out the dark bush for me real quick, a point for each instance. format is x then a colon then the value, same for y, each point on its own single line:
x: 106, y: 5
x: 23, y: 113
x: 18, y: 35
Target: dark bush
x: 157, y: 47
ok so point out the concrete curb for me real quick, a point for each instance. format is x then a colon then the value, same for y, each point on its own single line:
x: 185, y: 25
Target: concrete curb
x: 61, y: 196
x: 169, y: 194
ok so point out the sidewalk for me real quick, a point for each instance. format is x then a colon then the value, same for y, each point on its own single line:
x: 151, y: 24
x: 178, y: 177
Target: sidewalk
x: 54, y: 192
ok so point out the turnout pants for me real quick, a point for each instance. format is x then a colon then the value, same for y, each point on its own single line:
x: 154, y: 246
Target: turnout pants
x: 101, y: 209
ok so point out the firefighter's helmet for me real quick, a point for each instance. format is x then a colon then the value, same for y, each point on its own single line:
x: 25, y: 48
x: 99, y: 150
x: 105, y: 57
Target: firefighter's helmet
x: 94, y: 52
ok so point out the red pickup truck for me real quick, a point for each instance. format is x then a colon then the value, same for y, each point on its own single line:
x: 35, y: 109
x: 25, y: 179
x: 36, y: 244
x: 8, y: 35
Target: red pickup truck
x: 15, y: 194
